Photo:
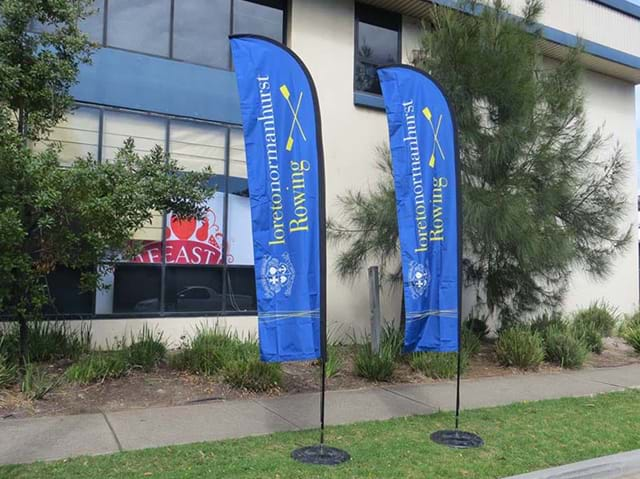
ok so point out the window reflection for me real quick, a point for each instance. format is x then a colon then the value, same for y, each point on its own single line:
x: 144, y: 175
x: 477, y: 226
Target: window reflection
x: 377, y: 45
x: 139, y: 25
x: 201, y: 30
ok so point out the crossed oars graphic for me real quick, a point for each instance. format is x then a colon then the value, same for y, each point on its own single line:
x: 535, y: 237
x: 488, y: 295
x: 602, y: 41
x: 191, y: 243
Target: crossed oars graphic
x: 436, y: 142
x: 287, y: 96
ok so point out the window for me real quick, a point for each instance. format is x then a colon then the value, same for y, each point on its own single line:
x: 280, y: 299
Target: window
x: 207, y: 265
x: 259, y: 17
x: 77, y: 134
x: 201, y: 31
x: 194, y: 31
x: 377, y: 43
x: 139, y: 25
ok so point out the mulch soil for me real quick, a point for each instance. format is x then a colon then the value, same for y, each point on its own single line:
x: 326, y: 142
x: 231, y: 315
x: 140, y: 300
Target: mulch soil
x: 168, y: 387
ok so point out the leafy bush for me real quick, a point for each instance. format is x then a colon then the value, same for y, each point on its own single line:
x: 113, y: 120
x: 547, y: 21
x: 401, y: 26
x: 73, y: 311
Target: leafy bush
x: 380, y: 366
x: 563, y: 347
x: 588, y: 333
x: 470, y: 342
x: 334, y: 361
x: 48, y: 340
x: 98, y: 366
x: 392, y: 339
x: 632, y: 337
x: 372, y: 366
x: 598, y: 315
x: 36, y: 382
x: 147, y: 349
x: 252, y: 374
x: 210, y: 350
x: 477, y: 324
x: 544, y: 321
x: 439, y: 365
x: 520, y: 347
x: 8, y: 372
x: 630, y: 322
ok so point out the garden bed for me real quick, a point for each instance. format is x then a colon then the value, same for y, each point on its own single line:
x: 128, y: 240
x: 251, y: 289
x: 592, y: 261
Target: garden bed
x: 166, y: 386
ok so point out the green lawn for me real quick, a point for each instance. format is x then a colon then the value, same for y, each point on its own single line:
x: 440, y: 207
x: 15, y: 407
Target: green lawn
x: 519, y: 438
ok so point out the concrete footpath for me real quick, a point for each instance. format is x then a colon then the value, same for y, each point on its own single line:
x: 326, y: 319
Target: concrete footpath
x: 48, y: 438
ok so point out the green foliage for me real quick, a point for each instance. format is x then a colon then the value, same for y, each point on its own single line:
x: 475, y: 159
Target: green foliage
x: 368, y: 225
x: 36, y: 382
x: 207, y: 351
x: 252, y: 374
x: 42, y: 67
x: 439, y: 365
x: 541, y: 192
x: 147, y: 349
x: 469, y: 341
x: 8, y: 371
x: 335, y: 361
x: 76, y: 217
x: 372, y: 366
x: 562, y: 346
x: 589, y: 334
x: 598, y: 315
x: 631, y: 336
x: 49, y: 340
x: 542, y: 322
x: 98, y: 366
x: 520, y: 347
x: 477, y: 324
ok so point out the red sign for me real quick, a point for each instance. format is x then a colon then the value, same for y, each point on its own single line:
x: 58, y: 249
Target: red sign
x: 188, y: 241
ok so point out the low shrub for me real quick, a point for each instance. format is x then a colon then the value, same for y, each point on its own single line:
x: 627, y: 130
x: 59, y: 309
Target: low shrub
x: 252, y: 374
x: 542, y: 322
x: 564, y: 347
x: 36, y: 383
x: 588, y: 334
x: 470, y: 342
x: 392, y: 339
x: 632, y: 337
x: 146, y: 349
x: 8, y: 372
x: 598, y: 315
x: 335, y: 361
x: 477, y: 324
x: 48, y: 340
x: 439, y: 365
x: 631, y: 321
x: 372, y: 366
x: 98, y: 366
x: 520, y: 347
x: 209, y: 350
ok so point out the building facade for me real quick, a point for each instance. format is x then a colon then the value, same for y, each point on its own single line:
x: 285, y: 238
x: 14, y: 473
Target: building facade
x: 163, y: 75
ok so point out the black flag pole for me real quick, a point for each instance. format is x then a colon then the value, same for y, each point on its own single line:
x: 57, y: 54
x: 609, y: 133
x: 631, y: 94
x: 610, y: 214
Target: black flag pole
x: 456, y: 438
x: 320, y: 453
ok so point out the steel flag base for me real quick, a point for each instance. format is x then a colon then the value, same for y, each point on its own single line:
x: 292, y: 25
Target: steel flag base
x: 320, y: 454
x: 457, y: 439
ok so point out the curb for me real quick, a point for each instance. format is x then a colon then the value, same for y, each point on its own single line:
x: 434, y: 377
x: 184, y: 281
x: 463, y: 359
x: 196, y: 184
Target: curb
x: 607, y: 467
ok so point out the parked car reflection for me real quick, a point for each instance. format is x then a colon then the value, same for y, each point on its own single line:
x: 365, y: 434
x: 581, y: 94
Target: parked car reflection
x: 198, y: 298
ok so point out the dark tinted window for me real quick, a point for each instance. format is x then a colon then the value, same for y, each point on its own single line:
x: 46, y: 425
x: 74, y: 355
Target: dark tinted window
x: 139, y: 25
x: 241, y: 289
x: 193, y: 289
x: 259, y: 17
x: 136, y: 289
x: 377, y: 44
x: 201, y: 30
x: 66, y: 295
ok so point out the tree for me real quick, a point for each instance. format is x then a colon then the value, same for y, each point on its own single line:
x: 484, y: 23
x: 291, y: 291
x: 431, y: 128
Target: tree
x: 81, y: 217
x: 541, y: 194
